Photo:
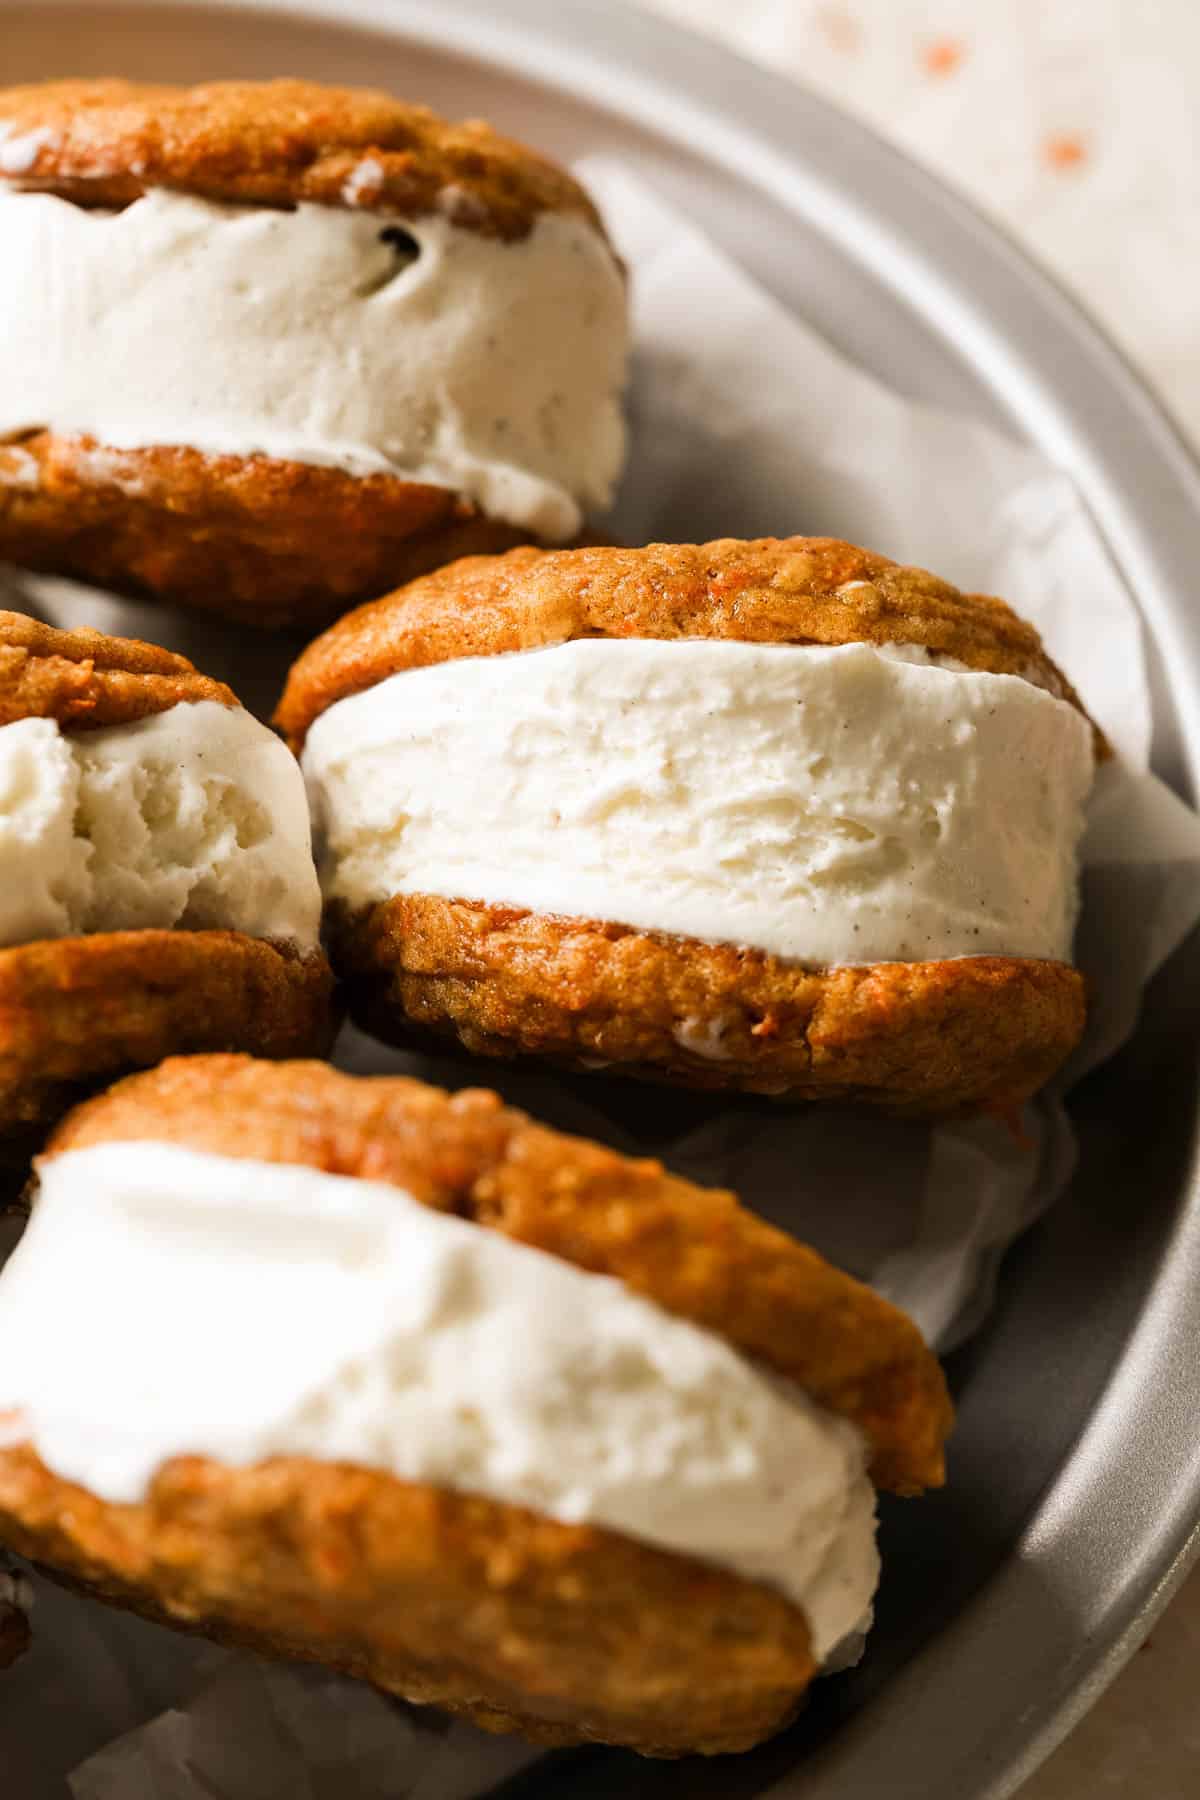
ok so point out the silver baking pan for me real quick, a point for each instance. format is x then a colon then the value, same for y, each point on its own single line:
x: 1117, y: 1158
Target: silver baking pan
x: 1010, y: 1600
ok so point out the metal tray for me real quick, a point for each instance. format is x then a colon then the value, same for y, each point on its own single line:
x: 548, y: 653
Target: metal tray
x: 1012, y: 1599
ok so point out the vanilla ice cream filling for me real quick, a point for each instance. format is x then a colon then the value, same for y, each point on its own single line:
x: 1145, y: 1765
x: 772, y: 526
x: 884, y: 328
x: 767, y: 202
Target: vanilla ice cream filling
x: 241, y: 1310
x: 194, y: 817
x: 828, y: 805
x: 419, y: 349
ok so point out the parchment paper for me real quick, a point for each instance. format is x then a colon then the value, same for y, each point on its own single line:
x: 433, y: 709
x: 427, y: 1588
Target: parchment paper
x: 744, y: 422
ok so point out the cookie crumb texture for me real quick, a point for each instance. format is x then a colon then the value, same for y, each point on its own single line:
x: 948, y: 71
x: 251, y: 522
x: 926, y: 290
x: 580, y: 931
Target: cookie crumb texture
x: 87, y: 679
x: 518, y: 1623
x: 798, y: 590
x: 276, y: 143
x: 926, y: 1039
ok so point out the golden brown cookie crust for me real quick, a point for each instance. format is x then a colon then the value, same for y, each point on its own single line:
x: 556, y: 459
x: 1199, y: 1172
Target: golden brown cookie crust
x: 925, y: 1039
x: 81, y: 1010
x: 251, y: 538
x: 694, y: 1251
x: 795, y: 590
x: 86, y: 678
x: 278, y: 143
x: 566, y: 1633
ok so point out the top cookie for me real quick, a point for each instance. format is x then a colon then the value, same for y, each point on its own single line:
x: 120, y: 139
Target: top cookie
x: 276, y: 143
x: 797, y: 590
x: 86, y: 678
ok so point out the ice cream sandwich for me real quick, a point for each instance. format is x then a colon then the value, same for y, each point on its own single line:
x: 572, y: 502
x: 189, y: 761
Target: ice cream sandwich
x: 269, y: 348
x: 159, y: 890
x: 778, y: 816
x: 410, y: 1385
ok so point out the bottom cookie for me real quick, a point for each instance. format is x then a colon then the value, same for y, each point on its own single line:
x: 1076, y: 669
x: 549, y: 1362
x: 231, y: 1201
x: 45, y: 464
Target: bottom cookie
x: 923, y: 1039
x: 255, y: 539
x: 486, y: 1610
x: 78, y: 1011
